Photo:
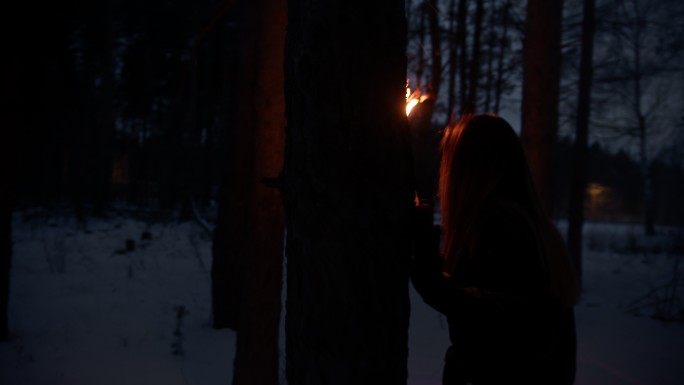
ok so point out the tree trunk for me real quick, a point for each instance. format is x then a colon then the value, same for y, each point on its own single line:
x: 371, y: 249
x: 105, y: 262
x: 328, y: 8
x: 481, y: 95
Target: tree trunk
x: 227, y: 267
x: 500, y: 60
x: 642, y: 129
x: 256, y: 361
x: 461, y: 38
x: 425, y: 150
x: 8, y: 147
x: 348, y: 193
x: 579, y: 170
x: 227, y: 258
x: 475, y: 62
x: 491, y: 42
x: 541, y: 84
x: 646, y: 177
x: 5, y: 258
x: 249, y: 236
x: 436, y: 44
x: 105, y: 132
x: 421, y: 45
x: 453, y: 56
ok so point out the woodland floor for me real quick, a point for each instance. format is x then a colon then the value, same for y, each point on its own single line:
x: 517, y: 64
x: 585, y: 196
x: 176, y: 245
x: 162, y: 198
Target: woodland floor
x: 85, y: 310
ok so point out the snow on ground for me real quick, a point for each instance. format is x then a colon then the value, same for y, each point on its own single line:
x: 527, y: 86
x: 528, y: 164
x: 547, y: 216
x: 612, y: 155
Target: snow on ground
x: 84, y: 310
x: 614, y: 346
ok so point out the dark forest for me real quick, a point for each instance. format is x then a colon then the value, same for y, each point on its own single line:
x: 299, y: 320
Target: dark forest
x: 280, y: 129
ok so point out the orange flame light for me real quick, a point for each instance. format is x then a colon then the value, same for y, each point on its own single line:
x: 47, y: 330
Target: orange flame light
x: 413, y: 99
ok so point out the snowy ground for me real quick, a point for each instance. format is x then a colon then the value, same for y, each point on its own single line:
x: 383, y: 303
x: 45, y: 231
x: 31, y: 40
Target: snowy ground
x: 84, y: 310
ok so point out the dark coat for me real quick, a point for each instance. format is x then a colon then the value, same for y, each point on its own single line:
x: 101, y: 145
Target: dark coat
x: 504, y: 326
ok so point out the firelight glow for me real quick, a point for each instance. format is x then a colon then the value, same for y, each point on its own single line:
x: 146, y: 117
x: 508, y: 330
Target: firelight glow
x: 412, y: 99
x: 409, y: 105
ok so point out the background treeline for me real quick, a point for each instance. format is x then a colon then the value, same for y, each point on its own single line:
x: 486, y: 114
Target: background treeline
x: 125, y: 100
x: 136, y: 101
x: 612, y: 191
x: 468, y: 55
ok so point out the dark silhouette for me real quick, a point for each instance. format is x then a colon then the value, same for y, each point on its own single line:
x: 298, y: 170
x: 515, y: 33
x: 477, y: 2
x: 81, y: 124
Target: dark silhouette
x: 348, y: 193
x: 581, y: 153
x: 541, y: 92
x: 8, y: 171
x: 504, y: 278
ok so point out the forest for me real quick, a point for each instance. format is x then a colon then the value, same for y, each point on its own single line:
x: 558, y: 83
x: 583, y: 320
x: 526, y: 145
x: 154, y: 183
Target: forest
x: 112, y: 96
x: 251, y: 117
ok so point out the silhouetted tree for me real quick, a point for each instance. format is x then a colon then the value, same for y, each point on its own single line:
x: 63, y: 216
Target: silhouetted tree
x: 475, y: 62
x: 461, y: 38
x: 9, y: 111
x: 451, y: 62
x: 541, y: 81
x: 261, y: 137
x: 433, y: 12
x: 579, y: 169
x: 248, y: 239
x: 501, y: 68
x: 348, y: 193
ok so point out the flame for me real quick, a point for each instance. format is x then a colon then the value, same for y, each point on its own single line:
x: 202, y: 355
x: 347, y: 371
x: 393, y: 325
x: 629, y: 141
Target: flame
x: 414, y: 98
x: 409, y: 105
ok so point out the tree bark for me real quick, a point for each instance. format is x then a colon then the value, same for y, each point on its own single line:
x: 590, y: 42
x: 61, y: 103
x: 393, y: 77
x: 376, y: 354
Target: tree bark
x: 249, y: 237
x: 541, y: 84
x: 256, y: 361
x: 581, y: 152
x: 348, y: 193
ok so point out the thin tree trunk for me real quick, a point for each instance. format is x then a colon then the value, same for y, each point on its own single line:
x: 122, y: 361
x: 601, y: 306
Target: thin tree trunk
x: 421, y: 45
x: 453, y: 56
x: 436, y: 44
x: 646, y: 180
x: 500, y: 60
x: 8, y: 153
x: 579, y: 170
x: 475, y: 62
x: 646, y: 177
x: 348, y: 193
x: 461, y: 38
x: 102, y: 170
x: 491, y: 41
x: 541, y: 84
x: 5, y: 260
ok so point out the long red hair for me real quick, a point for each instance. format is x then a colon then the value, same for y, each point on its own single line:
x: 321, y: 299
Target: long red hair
x: 483, y: 162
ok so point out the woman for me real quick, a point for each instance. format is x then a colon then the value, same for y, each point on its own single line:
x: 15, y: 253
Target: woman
x: 504, y: 278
